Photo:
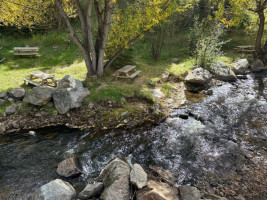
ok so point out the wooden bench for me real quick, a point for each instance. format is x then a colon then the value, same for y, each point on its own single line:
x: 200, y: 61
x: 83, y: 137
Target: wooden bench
x: 245, y: 49
x: 44, y: 79
x: 125, y: 72
x: 26, y: 51
x: 32, y: 82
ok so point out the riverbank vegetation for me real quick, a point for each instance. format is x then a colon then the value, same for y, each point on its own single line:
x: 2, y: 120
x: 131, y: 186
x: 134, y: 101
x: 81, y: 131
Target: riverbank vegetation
x: 169, y: 44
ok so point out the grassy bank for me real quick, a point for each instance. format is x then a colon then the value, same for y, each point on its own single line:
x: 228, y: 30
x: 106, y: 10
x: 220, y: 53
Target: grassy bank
x: 59, y: 56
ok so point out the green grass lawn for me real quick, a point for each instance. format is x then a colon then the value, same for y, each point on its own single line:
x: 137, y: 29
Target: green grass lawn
x: 66, y: 59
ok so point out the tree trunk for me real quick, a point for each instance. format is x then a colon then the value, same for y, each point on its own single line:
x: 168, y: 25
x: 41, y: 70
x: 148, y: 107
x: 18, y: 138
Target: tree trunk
x: 259, y: 34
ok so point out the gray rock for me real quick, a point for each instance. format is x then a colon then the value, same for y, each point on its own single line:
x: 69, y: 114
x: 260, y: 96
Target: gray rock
x: 156, y: 93
x: 65, y: 99
x: 32, y: 133
x: 68, y: 168
x: 198, y: 76
x: 240, y: 66
x: 2, y: 101
x: 62, y: 101
x: 158, y: 191
x: 3, y: 95
x: 10, y: 110
x: 11, y: 100
x: 257, y: 66
x: 138, y: 176
x: 2, y: 128
x: 55, y: 190
x: 77, y: 95
x: 17, y: 94
x: 165, y: 76
x: 69, y: 82
x: 115, y: 177
x: 222, y: 71
x: 91, y: 190
x: 189, y: 193
x: 39, y: 96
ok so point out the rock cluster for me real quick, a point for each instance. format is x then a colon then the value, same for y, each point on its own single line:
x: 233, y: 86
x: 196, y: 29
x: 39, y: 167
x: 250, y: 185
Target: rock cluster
x: 120, y: 180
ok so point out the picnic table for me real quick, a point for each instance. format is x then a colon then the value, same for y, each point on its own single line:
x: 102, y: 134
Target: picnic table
x: 46, y: 79
x: 26, y: 51
x: 129, y: 71
x: 245, y: 49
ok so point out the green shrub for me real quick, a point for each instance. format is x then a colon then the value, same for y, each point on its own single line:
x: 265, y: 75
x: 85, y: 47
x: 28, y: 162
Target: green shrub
x: 208, y: 44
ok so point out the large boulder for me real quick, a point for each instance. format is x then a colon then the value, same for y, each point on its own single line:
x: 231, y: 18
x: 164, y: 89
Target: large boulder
x: 17, y: 94
x: 189, y: 193
x: 138, y: 176
x: 222, y: 71
x: 62, y: 101
x: 257, y: 66
x: 65, y: 99
x: 69, y: 94
x: 158, y: 191
x: 115, y: 177
x: 198, y: 76
x: 68, y: 168
x: 3, y: 95
x: 39, y: 96
x: 69, y: 82
x: 55, y: 190
x: 91, y: 190
x: 240, y: 66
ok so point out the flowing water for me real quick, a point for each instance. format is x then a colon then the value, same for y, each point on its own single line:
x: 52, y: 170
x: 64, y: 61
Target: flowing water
x: 198, y: 141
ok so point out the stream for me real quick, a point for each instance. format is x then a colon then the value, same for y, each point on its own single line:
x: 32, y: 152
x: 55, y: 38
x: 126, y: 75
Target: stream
x: 211, y: 144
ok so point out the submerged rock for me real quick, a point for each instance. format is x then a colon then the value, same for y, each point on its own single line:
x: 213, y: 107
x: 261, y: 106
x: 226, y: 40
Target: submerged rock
x: 158, y: 191
x: 222, y: 71
x: 91, y: 190
x: 189, y: 193
x: 138, y: 176
x: 55, y: 190
x: 240, y: 66
x: 68, y: 168
x: 39, y: 96
x: 198, y: 76
x: 115, y: 177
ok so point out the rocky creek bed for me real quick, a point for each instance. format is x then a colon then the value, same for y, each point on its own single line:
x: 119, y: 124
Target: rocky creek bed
x: 217, y: 145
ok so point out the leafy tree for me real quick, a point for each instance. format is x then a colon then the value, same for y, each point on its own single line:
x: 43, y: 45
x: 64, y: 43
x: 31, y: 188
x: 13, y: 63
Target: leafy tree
x: 108, y: 27
x: 231, y: 12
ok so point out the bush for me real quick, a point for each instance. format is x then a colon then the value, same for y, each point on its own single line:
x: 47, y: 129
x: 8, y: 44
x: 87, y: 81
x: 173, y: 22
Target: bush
x: 208, y: 43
